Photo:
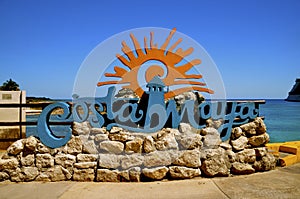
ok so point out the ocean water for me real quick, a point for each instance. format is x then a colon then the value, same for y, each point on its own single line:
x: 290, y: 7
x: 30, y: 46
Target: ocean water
x: 281, y: 117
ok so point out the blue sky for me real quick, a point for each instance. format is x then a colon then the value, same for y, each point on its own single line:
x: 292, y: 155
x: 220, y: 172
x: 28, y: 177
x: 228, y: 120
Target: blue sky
x: 255, y: 43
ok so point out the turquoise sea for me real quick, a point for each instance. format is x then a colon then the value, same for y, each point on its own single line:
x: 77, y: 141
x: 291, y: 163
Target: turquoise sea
x: 281, y: 117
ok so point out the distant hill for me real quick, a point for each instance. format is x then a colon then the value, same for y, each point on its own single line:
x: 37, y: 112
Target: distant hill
x: 38, y: 99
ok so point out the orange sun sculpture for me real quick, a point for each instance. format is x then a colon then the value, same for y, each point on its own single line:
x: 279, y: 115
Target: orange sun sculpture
x: 176, y: 75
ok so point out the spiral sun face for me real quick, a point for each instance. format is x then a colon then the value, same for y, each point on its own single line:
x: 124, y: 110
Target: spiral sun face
x: 175, y: 74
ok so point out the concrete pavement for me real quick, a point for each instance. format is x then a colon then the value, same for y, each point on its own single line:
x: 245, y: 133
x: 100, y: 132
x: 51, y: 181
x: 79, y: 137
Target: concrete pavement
x: 279, y: 183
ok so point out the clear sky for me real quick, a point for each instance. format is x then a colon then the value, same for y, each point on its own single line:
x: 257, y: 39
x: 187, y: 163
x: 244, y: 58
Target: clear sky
x: 255, y: 43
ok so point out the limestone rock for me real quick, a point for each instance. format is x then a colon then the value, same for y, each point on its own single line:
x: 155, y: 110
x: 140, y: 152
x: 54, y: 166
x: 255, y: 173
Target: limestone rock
x: 190, y: 141
x: 16, y: 175
x: 101, y: 137
x: 212, y: 138
x: 87, y: 157
x: 135, y: 174
x: 106, y: 175
x: 65, y: 160
x: 241, y: 168
x: 215, y: 163
x: 266, y: 163
x: 3, y: 176
x: 260, y: 126
x: 157, y: 158
x: 189, y: 158
x: 185, y: 128
x: 11, y: 163
x: 109, y: 161
x: 261, y: 151
x: 85, y: 165
x: 27, y: 160
x: 148, y: 145
x: 74, y: 146
x: 178, y: 172
x: 31, y: 143
x: 82, y: 128
x: 181, y: 98
x: 97, y: 131
x: 133, y: 160
x: 15, y: 148
x: 112, y: 147
x: 236, y: 133
x: 120, y: 136
x: 214, y: 123
x: 43, y: 176
x: 165, y: 141
x: 134, y: 146
x: 259, y: 140
x: 84, y: 174
x: 249, y: 128
x: 41, y: 148
x: 89, y: 147
x: 29, y: 173
x: 231, y: 156
x: 226, y: 146
x: 115, y: 130
x: 56, y: 173
x: 126, y: 93
x: 156, y: 173
x: 44, y: 161
x: 215, y: 167
x: 246, y: 156
x: 124, y: 176
x: 240, y: 143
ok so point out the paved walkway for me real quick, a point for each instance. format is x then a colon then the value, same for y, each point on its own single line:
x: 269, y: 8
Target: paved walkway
x: 279, y: 183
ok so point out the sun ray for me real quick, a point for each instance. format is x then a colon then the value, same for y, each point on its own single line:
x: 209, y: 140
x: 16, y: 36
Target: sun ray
x: 175, y: 45
x: 151, y: 40
x: 145, y: 45
x: 164, y: 46
x: 192, y: 76
x: 137, y: 46
x: 119, y: 72
x: 123, y: 60
x: 175, y: 74
x: 107, y: 83
x: 186, y: 67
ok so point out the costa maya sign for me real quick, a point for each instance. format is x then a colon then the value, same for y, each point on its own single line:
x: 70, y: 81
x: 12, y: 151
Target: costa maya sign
x: 156, y: 65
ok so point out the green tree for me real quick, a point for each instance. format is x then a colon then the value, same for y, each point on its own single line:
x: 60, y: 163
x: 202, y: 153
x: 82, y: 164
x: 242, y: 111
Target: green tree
x: 10, y: 85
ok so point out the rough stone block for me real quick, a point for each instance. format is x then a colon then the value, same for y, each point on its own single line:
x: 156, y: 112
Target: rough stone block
x: 11, y: 163
x: 84, y: 174
x: 178, y: 172
x: 109, y: 161
x: 16, y: 147
x: 87, y: 157
x: 44, y: 161
x: 156, y: 173
x: 114, y: 147
x: 188, y: 158
x: 241, y: 168
x: 157, y: 158
x: 133, y: 160
x: 106, y: 175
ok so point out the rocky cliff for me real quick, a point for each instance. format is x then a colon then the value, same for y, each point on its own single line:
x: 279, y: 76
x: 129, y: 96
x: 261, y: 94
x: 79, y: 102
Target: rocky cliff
x: 294, y: 94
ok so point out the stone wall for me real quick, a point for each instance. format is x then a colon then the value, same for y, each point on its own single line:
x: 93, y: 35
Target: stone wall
x: 95, y: 154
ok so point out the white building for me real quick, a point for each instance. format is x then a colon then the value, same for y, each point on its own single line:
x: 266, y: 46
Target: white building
x: 8, y: 114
